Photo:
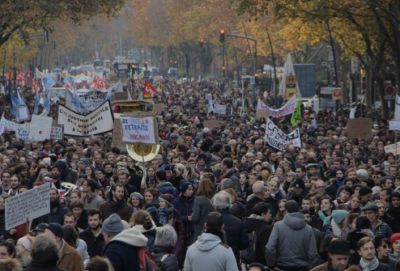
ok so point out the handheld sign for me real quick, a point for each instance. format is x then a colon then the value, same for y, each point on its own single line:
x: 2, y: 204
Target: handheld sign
x: 139, y: 130
x: 29, y: 205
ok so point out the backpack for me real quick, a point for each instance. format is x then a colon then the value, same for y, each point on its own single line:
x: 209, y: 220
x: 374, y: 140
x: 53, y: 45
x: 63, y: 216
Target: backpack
x: 146, y: 261
x: 248, y: 255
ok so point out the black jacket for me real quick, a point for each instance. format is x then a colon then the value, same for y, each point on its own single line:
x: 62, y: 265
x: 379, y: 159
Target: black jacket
x: 332, y: 189
x: 238, y: 209
x: 298, y: 197
x: 381, y: 267
x: 168, y: 263
x: 237, y: 235
x: 250, y: 204
x: 44, y: 262
x: 94, y: 244
x: 83, y: 220
x: 185, y: 207
x: 262, y: 230
x: 231, y: 174
x: 56, y: 215
x: 388, y: 219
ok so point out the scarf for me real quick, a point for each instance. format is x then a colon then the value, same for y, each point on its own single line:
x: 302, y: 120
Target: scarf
x: 164, y: 215
x: 256, y: 217
x: 341, y: 234
x: 325, y: 219
x: 395, y: 212
x: 340, y: 183
x: 369, y: 266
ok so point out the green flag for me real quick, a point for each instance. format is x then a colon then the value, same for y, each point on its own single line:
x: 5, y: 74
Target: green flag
x: 231, y: 111
x: 296, y: 117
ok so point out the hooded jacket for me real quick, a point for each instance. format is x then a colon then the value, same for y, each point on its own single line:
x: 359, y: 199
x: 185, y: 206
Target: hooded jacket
x: 167, y: 187
x: 201, y: 255
x: 67, y: 174
x: 262, y: 232
x: 291, y: 243
x: 122, y: 251
x: 150, y: 235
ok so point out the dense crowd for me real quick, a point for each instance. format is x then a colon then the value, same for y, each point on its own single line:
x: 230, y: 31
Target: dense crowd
x: 213, y: 198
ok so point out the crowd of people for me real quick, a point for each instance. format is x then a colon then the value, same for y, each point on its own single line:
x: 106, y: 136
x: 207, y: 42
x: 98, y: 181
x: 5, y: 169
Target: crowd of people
x: 213, y: 198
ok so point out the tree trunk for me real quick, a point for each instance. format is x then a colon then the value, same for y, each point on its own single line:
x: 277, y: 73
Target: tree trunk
x: 345, y: 77
x: 369, y: 88
x: 380, y: 85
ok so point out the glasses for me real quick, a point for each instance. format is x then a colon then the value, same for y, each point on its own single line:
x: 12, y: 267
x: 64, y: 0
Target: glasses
x: 377, y: 177
x: 319, y: 187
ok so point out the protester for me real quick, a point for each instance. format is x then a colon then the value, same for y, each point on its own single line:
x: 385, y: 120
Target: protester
x: 142, y: 221
x: 339, y: 254
x: 164, y: 252
x: 23, y: 250
x: 93, y: 236
x: 366, y: 249
x: 202, y: 206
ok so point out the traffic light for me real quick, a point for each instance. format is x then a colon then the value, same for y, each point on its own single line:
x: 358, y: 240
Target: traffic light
x: 133, y: 68
x: 201, y: 43
x: 223, y: 69
x: 145, y: 65
x: 92, y: 56
x: 160, y: 59
x: 222, y: 36
x: 115, y: 42
x: 176, y: 63
x: 256, y: 75
x: 170, y: 61
x: 46, y: 36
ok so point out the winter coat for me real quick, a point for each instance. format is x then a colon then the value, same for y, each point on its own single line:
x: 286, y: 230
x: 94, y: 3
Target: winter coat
x: 381, y: 267
x: 382, y: 229
x: 353, y: 238
x: 109, y: 207
x: 45, y: 262
x: 232, y: 174
x: 82, y: 222
x: 94, y: 244
x: 122, y: 250
x: 92, y: 202
x: 167, y: 187
x: 56, y: 215
x: 70, y: 259
x: 177, y: 224
x: 277, y: 197
x: 67, y: 174
x: 236, y: 233
x: 262, y: 231
x: 201, y: 208
x: 298, y: 197
x: 82, y: 249
x: 322, y: 267
x: 202, y: 255
x: 332, y: 189
x: 238, y: 209
x: 317, y: 262
x: 389, y: 261
x: 291, y: 243
x: 390, y: 221
x: 185, y: 207
x: 317, y: 223
x: 165, y: 260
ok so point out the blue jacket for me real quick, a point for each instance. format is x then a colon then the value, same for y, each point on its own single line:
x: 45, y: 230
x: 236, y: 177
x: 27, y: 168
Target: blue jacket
x: 185, y: 207
x: 167, y: 187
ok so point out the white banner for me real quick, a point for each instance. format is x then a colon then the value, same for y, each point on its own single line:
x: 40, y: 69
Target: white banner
x: 57, y: 132
x: 220, y: 109
x: 6, y: 124
x: 31, y: 204
x: 287, y: 109
x: 99, y: 121
x: 40, y: 128
x: 138, y: 130
x: 89, y: 99
x: 397, y: 108
x: 24, y: 132
x: 278, y: 139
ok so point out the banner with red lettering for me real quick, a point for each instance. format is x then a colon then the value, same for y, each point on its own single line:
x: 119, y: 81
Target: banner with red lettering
x: 149, y: 90
x: 287, y: 109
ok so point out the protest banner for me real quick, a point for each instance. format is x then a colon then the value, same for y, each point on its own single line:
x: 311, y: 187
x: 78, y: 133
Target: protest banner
x: 89, y: 100
x: 211, y: 123
x: 6, y: 124
x: 287, y: 109
x: 394, y: 125
x: 40, y: 128
x: 117, y: 133
x: 359, y: 128
x: 29, y: 205
x: 278, y: 139
x: 24, y: 131
x: 23, y: 113
x: 208, y: 97
x: 262, y: 113
x: 394, y: 149
x: 99, y: 121
x: 57, y: 132
x: 139, y: 130
x: 220, y: 109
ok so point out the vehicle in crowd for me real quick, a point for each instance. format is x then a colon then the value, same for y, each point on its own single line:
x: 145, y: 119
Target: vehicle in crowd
x: 107, y: 65
x: 156, y: 71
x: 173, y: 73
x: 87, y: 69
x: 75, y: 71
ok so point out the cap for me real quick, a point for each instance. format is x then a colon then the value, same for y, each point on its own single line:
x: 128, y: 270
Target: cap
x: 56, y: 228
x: 113, y: 225
x: 173, y: 135
x: 299, y: 183
x: 371, y: 207
x: 185, y: 186
x: 41, y: 227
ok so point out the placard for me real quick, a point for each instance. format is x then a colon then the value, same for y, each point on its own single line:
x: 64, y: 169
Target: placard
x: 57, y: 132
x: 23, y: 112
x: 159, y: 107
x: 139, y: 130
x: 40, y: 128
x: 99, y: 121
x: 262, y: 113
x: 394, y: 125
x: 359, y: 128
x: 278, y: 139
x: 211, y: 123
x: 117, y: 133
x: 394, y: 148
x: 24, y: 131
x: 220, y: 109
x: 31, y: 204
x: 89, y: 100
x: 287, y: 109
x: 208, y: 97
x: 177, y: 110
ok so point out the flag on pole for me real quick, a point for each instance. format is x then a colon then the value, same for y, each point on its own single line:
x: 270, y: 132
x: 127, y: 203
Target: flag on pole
x: 296, y: 117
x: 48, y: 82
x: 37, y: 102
x: 149, y: 90
x: 76, y: 100
x: 47, y: 104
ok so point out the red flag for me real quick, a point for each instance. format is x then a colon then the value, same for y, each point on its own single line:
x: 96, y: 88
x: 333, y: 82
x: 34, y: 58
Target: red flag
x: 149, y: 90
x: 35, y: 87
x: 28, y: 75
x: 20, y: 78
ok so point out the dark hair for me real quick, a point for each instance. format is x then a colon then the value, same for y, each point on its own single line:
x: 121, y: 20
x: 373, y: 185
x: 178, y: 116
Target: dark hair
x: 116, y: 150
x: 347, y: 189
x: 291, y: 206
x: 324, y: 246
x: 76, y: 204
x: 92, y: 212
x: 260, y: 208
x: 214, y: 221
x: 97, y: 264
x: 70, y: 235
x: 142, y: 217
x: 362, y: 222
x: 394, y: 195
x: 92, y: 184
x: 161, y: 175
x: 228, y: 162
x: 71, y: 214
x: 154, y: 191
x: 305, y: 212
x: 10, y: 247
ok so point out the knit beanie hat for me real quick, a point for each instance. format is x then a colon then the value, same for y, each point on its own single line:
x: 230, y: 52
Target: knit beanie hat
x: 204, y: 146
x: 299, y: 183
x: 394, y: 238
x: 136, y: 194
x: 56, y: 229
x: 339, y: 215
x: 365, y: 190
x: 185, y: 186
x: 113, y: 225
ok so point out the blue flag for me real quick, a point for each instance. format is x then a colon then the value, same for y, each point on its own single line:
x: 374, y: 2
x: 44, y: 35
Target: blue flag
x: 48, y: 82
x: 37, y: 102
x: 47, y: 104
x: 69, y: 80
x: 76, y: 100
